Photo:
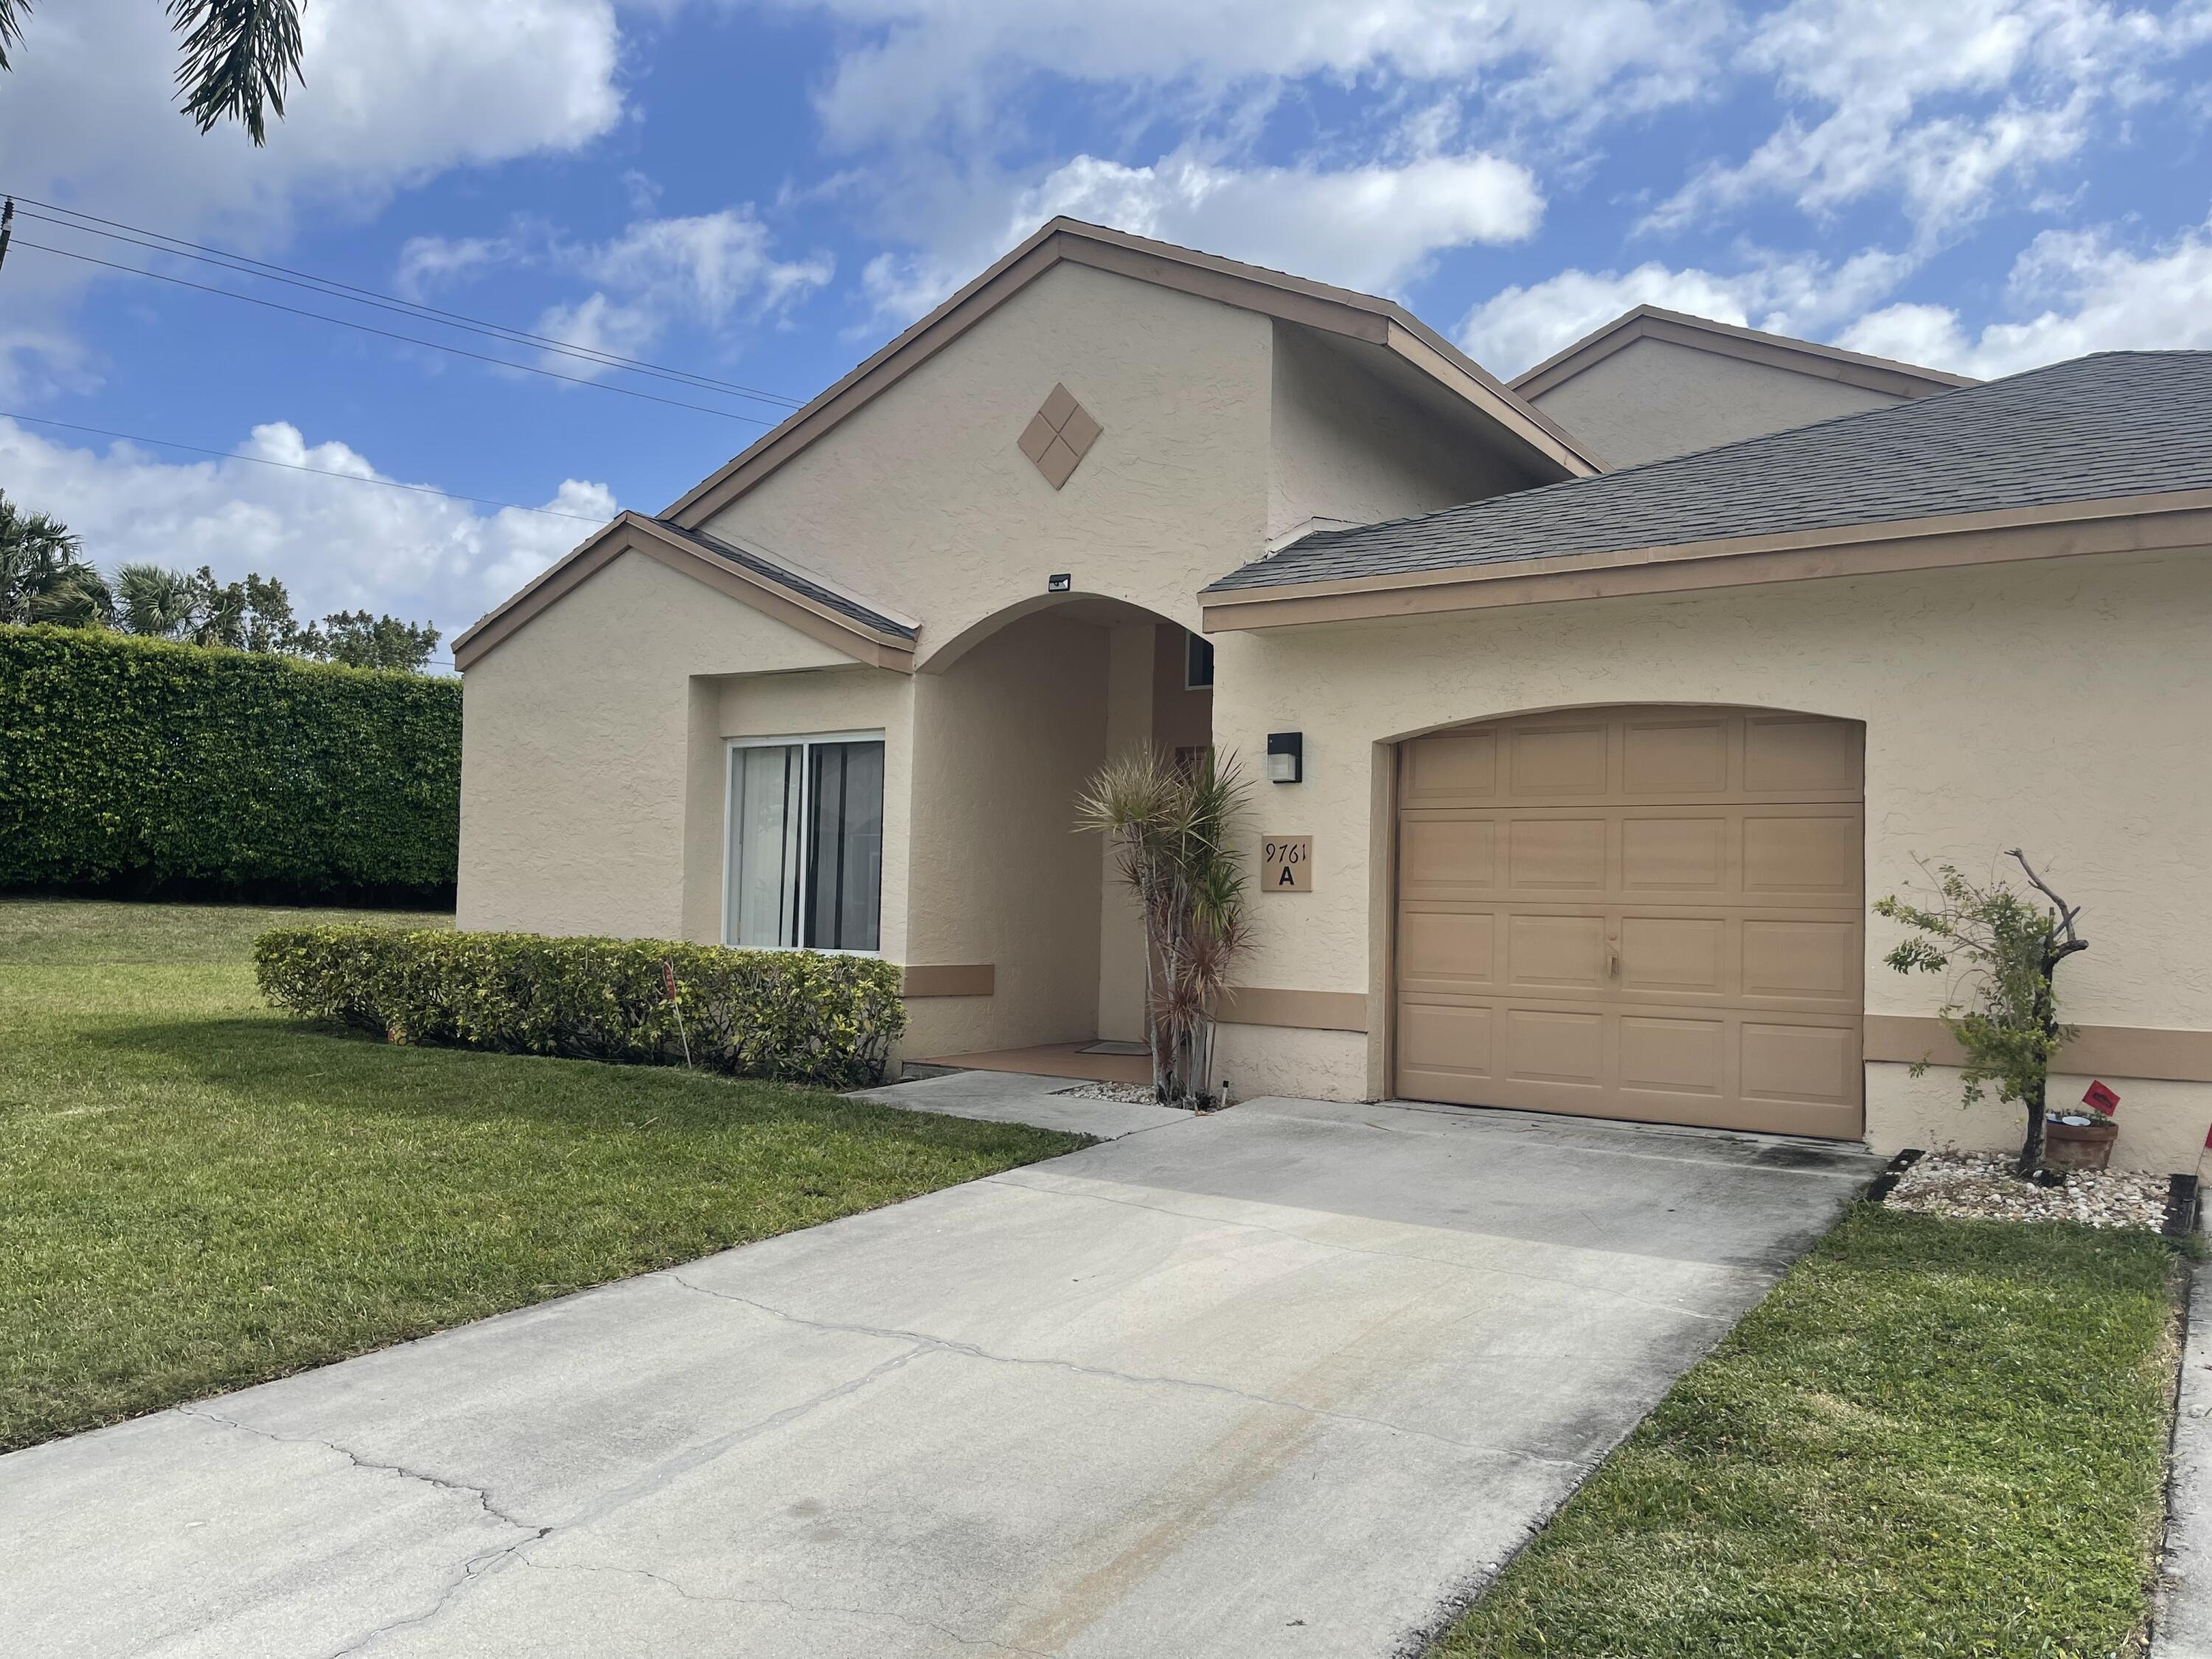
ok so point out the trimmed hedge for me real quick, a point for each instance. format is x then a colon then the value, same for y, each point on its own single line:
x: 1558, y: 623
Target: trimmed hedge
x: 143, y: 766
x: 797, y: 1015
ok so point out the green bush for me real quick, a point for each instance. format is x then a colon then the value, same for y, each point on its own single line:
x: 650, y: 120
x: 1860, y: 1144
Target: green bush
x: 135, y: 764
x: 798, y: 1016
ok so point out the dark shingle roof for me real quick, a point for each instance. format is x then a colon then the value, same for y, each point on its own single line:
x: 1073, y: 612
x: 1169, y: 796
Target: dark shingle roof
x: 730, y: 554
x: 2119, y: 423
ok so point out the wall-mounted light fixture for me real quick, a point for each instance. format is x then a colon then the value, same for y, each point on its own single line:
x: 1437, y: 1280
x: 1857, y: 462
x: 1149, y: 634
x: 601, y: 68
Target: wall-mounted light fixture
x: 1286, y: 757
x: 1059, y: 584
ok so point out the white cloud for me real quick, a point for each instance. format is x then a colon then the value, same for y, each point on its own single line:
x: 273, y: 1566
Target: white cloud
x: 1941, y: 105
x: 1523, y: 326
x: 915, y: 62
x: 336, y: 545
x: 2094, y: 296
x: 1372, y: 228
x: 708, y: 269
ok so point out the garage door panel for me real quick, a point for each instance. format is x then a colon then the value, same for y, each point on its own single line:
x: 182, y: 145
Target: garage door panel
x: 1801, y: 956
x: 1447, y: 950
x: 1802, y: 854
x: 1443, y: 858
x: 1569, y: 760
x: 1678, y: 1056
x: 1552, y: 1045
x: 1445, y: 1039
x: 1648, y: 913
x: 1674, y: 854
x: 1675, y: 757
x: 1451, y: 767
x: 1555, y: 951
x: 1674, y: 954
x: 1799, y: 754
x: 1556, y: 853
x: 1792, y: 1062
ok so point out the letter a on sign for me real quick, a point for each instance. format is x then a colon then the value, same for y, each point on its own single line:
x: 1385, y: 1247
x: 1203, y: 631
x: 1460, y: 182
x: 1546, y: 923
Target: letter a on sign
x: 1286, y: 863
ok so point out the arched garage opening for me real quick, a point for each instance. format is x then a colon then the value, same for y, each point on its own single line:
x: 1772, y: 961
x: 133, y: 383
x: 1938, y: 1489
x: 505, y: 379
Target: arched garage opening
x: 1652, y: 912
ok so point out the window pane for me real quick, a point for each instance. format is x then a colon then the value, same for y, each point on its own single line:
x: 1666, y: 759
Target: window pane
x: 764, y: 846
x: 844, y: 890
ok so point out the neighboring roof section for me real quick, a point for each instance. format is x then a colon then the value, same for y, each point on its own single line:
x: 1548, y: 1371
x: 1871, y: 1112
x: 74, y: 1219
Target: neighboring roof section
x: 1883, y: 374
x: 836, y: 618
x: 1539, y: 444
x: 2090, y: 431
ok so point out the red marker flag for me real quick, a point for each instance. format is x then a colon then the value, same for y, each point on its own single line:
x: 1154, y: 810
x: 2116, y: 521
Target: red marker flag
x: 2102, y: 1098
x: 2208, y: 1140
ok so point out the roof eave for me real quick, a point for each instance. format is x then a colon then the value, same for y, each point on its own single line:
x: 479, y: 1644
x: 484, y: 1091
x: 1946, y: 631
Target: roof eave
x: 2175, y: 519
x: 633, y: 532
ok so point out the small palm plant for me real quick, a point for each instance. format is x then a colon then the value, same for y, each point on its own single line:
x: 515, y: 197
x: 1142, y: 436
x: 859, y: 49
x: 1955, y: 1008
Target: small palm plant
x: 1171, y: 828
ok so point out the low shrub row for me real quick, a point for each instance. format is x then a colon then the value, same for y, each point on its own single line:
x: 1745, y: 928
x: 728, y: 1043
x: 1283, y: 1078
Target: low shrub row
x: 796, y: 1016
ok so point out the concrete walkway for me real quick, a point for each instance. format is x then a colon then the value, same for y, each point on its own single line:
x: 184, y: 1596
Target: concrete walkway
x: 2183, y: 1625
x: 1289, y: 1380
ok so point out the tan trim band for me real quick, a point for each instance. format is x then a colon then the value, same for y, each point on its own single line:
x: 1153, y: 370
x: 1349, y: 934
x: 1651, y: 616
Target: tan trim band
x: 1885, y: 374
x: 632, y: 533
x: 2121, y: 1051
x: 2130, y: 524
x: 964, y: 979
x: 1305, y: 1011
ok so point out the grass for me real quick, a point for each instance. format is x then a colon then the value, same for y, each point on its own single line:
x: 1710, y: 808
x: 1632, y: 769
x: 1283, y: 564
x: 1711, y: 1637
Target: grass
x: 200, y: 1194
x: 1933, y: 1439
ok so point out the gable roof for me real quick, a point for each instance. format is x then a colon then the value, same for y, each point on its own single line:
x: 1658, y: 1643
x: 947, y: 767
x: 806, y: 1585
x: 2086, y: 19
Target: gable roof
x: 1883, y: 375
x: 1538, y: 442
x: 838, y: 619
x: 2117, y: 435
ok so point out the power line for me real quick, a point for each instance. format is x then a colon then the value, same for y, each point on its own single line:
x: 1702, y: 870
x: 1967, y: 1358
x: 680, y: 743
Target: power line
x: 390, y: 334
x: 295, y: 466
x: 246, y: 265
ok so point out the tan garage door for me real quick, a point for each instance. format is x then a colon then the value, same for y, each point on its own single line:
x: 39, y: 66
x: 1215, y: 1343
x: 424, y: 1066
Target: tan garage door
x: 1639, y: 913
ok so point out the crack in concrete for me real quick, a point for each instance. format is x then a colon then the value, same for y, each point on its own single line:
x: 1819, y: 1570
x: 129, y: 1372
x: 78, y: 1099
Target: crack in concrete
x: 482, y: 1494
x: 1390, y: 1255
x: 947, y: 1345
x: 915, y: 1621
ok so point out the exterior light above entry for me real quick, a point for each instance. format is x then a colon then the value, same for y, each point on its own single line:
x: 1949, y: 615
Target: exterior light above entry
x: 1286, y: 757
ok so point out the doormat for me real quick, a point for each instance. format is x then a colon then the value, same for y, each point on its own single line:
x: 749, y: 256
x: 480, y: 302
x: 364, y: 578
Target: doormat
x: 1115, y: 1049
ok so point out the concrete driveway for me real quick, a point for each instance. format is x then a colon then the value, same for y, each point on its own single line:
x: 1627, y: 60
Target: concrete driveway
x: 1290, y: 1380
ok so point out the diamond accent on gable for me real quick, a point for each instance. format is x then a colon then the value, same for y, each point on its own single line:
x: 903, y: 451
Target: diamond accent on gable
x: 1059, y: 435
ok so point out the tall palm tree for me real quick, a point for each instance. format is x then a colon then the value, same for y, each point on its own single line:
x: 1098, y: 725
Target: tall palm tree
x: 43, y: 575
x: 238, y: 56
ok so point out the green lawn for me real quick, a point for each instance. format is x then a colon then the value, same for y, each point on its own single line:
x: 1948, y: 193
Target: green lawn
x: 196, y: 1194
x: 1934, y: 1438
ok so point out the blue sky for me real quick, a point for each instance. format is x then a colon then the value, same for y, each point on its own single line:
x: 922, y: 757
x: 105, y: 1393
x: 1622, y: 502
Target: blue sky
x: 763, y: 193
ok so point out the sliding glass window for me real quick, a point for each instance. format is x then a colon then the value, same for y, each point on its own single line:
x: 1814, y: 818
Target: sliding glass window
x: 806, y: 842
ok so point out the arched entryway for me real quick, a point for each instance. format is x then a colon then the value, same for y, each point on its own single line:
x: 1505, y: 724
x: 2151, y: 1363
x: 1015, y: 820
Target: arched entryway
x: 1635, y: 912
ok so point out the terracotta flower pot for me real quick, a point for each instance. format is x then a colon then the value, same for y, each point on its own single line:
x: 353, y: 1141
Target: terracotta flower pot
x: 2078, y: 1145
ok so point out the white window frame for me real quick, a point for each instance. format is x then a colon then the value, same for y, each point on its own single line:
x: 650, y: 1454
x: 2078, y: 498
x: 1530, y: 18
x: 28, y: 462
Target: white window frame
x: 805, y: 740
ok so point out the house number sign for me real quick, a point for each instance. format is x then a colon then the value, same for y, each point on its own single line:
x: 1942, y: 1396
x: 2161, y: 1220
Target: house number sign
x: 1286, y: 863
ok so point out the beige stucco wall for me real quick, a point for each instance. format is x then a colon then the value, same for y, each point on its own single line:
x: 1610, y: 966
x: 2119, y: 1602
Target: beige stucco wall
x: 922, y: 501
x: 1654, y: 397
x: 1349, y: 447
x: 581, y: 741
x: 1004, y: 740
x: 2064, y: 707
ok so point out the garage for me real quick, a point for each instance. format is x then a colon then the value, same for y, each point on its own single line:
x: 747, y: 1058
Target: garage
x: 1645, y: 913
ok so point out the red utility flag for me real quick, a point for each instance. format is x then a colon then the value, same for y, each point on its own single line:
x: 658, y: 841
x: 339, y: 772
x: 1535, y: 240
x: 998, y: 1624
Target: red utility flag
x: 2102, y: 1098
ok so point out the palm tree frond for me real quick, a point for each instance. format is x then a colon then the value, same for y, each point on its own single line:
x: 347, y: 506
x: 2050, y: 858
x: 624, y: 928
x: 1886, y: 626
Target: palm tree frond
x: 239, y: 57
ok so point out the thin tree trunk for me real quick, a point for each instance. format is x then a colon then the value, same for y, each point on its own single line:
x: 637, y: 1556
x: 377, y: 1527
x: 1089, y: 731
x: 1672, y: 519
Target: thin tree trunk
x: 2038, y: 1093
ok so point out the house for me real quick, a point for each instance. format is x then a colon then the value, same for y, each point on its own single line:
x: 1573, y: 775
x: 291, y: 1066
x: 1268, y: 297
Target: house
x: 1601, y: 768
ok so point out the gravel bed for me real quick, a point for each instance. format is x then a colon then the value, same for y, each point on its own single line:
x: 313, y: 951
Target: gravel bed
x: 1129, y: 1094
x: 1981, y: 1187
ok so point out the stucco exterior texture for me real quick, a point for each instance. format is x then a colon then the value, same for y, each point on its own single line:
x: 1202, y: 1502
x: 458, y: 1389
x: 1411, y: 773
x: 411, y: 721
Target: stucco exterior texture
x: 2062, y: 707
